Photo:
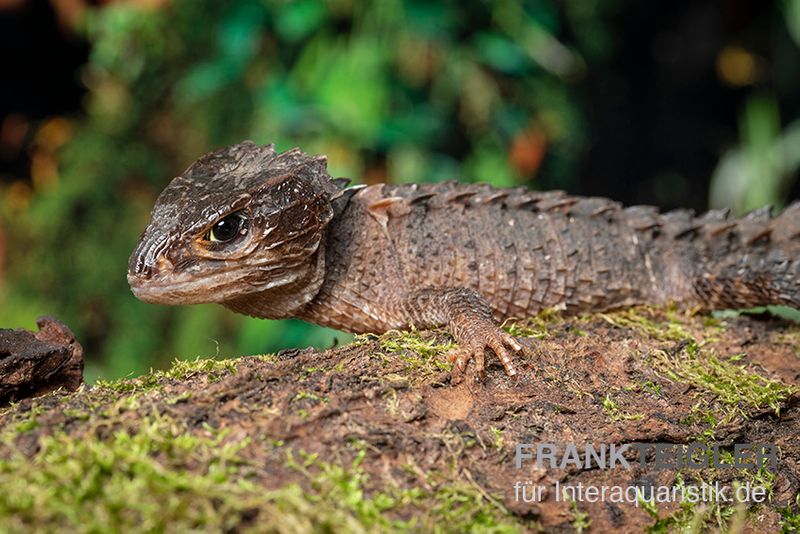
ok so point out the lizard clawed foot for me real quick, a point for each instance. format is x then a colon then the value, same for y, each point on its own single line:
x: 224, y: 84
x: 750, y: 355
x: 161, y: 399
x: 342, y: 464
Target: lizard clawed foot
x: 472, y: 350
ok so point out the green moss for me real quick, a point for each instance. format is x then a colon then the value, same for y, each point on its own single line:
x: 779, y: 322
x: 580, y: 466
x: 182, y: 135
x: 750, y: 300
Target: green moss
x: 580, y: 520
x: 185, y: 369
x: 725, y: 388
x: 315, y: 369
x: 640, y: 319
x: 449, y: 506
x: 80, y: 415
x: 763, y: 478
x: 397, y: 341
x: 359, y: 340
x: 690, y: 517
x: 181, y: 370
x: 615, y: 413
x: 652, y: 387
x: 703, y: 415
x: 268, y: 358
x: 161, y: 476
x: 179, y: 398
x: 27, y: 421
x: 537, y: 326
x: 463, y: 507
x: 712, y: 515
x: 790, y: 517
x: 425, y: 356
x: 498, y: 440
x: 525, y: 329
x: 300, y: 395
x: 133, y: 480
x: 735, y: 389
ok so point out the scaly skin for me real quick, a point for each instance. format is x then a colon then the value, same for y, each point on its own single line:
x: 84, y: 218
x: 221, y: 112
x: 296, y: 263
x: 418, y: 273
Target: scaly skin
x: 370, y: 259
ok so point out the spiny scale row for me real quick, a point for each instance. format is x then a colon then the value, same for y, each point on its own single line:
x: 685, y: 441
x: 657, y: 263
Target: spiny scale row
x: 755, y: 226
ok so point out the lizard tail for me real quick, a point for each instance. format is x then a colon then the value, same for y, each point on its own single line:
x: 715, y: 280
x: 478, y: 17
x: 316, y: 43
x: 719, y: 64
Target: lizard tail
x: 745, y: 262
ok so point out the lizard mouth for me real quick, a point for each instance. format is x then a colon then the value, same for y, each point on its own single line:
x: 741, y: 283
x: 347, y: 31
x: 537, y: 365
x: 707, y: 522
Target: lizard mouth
x: 161, y: 284
x: 160, y: 281
x: 189, y: 287
x: 152, y: 291
x: 181, y: 288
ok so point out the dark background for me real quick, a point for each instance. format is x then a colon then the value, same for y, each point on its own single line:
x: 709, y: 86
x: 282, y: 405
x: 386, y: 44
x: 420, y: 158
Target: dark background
x: 690, y: 104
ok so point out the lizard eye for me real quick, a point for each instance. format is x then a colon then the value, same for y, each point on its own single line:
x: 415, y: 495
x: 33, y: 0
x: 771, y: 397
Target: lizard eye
x: 225, y: 229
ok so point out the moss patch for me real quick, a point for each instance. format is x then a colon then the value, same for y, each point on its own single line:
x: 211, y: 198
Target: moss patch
x: 423, y: 353
x: 731, y: 384
x: 732, y: 388
x: 373, y: 437
x: 790, y: 517
x: 641, y: 319
x: 160, y: 476
x: 181, y: 370
x: 615, y: 413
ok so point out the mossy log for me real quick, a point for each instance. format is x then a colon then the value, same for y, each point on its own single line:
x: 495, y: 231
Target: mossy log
x: 372, y: 436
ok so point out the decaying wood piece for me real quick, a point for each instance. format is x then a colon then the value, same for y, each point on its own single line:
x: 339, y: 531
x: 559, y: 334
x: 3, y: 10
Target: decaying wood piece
x: 35, y: 363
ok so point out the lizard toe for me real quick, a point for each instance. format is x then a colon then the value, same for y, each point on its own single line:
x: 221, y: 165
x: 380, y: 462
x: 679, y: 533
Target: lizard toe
x: 476, y: 366
x: 459, y: 358
x: 505, y: 346
x: 467, y: 361
x: 472, y: 355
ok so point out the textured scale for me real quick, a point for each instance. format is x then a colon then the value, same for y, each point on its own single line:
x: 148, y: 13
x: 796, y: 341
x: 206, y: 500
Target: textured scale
x: 369, y: 259
x: 581, y: 262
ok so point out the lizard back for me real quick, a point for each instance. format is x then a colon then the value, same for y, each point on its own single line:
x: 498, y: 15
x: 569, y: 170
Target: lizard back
x: 525, y: 251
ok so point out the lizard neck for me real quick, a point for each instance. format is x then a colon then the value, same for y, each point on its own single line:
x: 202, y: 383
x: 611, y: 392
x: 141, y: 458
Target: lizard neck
x: 285, y: 301
x: 294, y: 299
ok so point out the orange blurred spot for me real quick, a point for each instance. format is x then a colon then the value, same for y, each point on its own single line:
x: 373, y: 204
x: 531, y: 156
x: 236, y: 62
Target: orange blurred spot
x: 17, y: 195
x: 54, y: 133
x: 736, y: 66
x: 69, y: 12
x: 44, y: 160
x: 44, y: 170
x: 12, y: 134
x: 527, y: 151
x: 8, y: 5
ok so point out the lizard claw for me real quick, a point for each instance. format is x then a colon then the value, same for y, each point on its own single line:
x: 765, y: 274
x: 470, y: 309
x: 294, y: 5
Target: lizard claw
x: 472, y: 350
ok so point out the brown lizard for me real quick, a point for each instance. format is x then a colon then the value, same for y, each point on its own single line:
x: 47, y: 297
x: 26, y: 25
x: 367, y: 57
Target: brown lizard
x: 272, y: 235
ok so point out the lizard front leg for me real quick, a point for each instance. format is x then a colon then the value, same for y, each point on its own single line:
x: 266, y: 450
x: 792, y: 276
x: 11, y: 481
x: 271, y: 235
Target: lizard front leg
x: 469, y: 317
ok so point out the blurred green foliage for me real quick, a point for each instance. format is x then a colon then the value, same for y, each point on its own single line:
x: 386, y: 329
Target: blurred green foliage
x: 763, y: 167
x: 390, y: 90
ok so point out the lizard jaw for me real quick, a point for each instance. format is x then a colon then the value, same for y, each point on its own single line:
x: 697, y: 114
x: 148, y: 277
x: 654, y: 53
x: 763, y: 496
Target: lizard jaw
x: 189, y: 288
x: 174, y: 290
x: 155, y: 293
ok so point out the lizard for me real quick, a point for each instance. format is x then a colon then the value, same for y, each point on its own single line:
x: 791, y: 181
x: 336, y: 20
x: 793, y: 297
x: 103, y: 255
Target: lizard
x: 273, y: 235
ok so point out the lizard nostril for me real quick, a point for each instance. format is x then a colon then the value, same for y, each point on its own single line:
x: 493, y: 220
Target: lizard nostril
x: 139, y: 268
x: 144, y: 271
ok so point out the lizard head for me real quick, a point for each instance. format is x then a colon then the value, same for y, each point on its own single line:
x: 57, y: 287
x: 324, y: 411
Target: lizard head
x: 240, y: 220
